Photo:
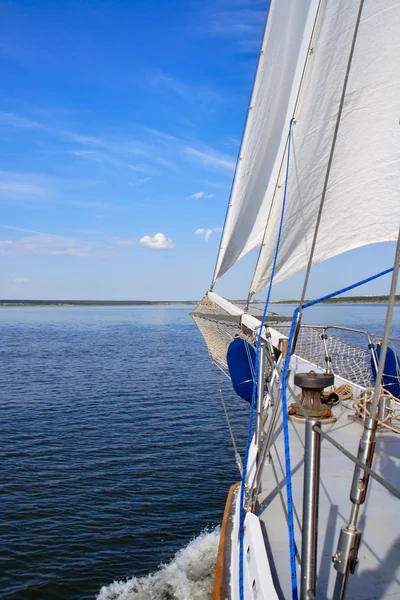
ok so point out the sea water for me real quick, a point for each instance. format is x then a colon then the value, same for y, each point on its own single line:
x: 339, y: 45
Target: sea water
x: 115, y: 455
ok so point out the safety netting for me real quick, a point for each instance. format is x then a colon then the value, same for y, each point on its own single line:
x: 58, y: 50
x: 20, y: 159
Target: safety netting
x: 350, y: 357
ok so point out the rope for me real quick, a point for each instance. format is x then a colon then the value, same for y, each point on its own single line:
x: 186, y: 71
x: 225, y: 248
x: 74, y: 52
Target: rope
x: 237, y: 455
x: 292, y: 542
x: 365, y: 398
x: 344, y: 391
x: 253, y: 400
x: 345, y: 289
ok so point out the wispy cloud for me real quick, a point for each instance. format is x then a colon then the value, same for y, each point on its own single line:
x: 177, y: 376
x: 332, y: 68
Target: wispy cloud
x: 164, y: 162
x: 84, y: 153
x: 101, y: 217
x: 241, y: 21
x: 19, y: 184
x: 46, y: 245
x: 161, y: 134
x: 22, y: 229
x: 207, y: 232
x: 158, y: 242
x: 199, y: 195
x: 26, y: 189
x: 84, y: 140
x: 13, y: 120
x: 160, y: 82
x: 210, y: 158
x: 202, y: 96
x: 145, y: 169
x: 238, y: 21
x: 187, y: 122
x: 21, y: 280
x: 140, y: 182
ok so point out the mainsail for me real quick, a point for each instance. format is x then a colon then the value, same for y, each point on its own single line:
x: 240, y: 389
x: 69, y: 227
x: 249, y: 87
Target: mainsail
x: 281, y: 63
x: 362, y: 202
x: 301, y: 75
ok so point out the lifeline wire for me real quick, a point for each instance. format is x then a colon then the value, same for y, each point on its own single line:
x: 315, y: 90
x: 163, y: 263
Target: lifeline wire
x: 253, y: 401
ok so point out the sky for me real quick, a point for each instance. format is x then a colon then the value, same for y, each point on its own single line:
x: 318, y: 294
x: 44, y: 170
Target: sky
x: 120, y: 123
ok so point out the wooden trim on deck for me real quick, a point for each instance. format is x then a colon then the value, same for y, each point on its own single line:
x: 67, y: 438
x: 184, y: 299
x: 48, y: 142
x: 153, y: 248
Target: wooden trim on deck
x: 221, y: 581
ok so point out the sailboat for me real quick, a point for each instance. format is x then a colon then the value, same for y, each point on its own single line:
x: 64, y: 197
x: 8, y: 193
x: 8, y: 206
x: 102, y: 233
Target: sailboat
x: 315, y: 513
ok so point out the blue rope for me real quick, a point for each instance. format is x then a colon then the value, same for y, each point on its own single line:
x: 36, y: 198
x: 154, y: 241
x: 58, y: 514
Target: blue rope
x: 347, y: 289
x: 256, y: 366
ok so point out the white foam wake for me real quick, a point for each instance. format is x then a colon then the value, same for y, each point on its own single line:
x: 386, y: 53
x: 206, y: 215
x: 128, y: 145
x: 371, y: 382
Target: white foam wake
x: 189, y: 575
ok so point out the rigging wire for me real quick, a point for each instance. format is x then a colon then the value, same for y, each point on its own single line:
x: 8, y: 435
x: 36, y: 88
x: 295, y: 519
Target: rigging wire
x: 329, y: 164
x: 251, y: 419
x: 237, y: 455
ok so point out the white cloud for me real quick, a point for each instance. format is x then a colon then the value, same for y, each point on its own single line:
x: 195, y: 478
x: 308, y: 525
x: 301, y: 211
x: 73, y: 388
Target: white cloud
x: 199, y: 195
x: 210, y: 158
x: 101, y: 217
x: 159, y: 241
x: 140, y: 181
x: 22, y: 280
x: 207, y: 232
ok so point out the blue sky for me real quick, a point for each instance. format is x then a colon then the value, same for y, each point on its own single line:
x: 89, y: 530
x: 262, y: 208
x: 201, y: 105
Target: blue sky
x: 119, y: 126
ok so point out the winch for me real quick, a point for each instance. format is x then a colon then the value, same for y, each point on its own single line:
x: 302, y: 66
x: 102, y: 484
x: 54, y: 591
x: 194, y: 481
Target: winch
x: 312, y: 385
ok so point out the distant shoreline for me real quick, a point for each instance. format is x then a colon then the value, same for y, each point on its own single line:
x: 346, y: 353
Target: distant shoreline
x: 11, y: 303
x: 5, y: 303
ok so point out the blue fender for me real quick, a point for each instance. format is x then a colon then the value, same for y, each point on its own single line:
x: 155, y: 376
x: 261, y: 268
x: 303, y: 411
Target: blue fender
x: 241, y: 358
x: 390, y: 379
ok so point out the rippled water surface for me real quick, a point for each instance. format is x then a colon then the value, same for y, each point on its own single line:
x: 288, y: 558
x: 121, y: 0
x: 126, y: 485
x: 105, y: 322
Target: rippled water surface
x: 115, y: 455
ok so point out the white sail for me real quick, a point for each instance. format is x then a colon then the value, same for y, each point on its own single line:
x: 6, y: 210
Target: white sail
x: 281, y: 63
x: 362, y: 204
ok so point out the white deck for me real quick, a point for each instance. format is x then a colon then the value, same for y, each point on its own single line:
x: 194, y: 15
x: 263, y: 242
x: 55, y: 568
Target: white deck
x: 378, y: 572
